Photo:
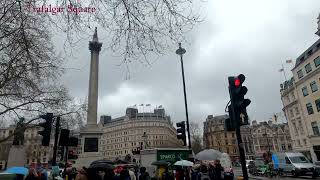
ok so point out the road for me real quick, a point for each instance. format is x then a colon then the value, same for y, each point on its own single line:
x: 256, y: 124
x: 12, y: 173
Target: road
x: 238, y: 172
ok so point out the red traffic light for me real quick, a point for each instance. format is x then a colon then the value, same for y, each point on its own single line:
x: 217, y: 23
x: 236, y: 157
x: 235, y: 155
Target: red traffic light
x: 237, y: 82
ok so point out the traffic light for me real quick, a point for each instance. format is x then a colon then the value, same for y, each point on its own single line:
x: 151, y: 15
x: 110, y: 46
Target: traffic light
x: 181, y: 132
x: 238, y: 102
x: 64, y: 137
x: 46, y: 132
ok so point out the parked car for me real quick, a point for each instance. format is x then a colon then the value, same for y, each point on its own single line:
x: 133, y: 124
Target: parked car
x: 317, y: 167
x: 294, y: 163
x: 249, y: 162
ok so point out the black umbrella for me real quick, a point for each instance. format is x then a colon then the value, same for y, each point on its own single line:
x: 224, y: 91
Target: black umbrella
x: 160, y: 163
x: 119, y: 161
x: 102, y: 161
x: 101, y: 166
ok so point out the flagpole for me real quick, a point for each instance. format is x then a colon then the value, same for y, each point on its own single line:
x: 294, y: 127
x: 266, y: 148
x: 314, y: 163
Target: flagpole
x: 284, y: 73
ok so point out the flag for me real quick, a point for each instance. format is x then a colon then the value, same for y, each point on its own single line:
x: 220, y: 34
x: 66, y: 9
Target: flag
x: 148, y: 104
x: 289, y: 61
x: 280, y: 70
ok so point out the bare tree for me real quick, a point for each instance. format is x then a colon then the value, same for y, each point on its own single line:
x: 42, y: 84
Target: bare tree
x: 29, y: 68
x: 196, y: 137
x: 135, y: 28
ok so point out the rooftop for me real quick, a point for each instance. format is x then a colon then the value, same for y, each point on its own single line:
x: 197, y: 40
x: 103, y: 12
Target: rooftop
x: 311, y: 50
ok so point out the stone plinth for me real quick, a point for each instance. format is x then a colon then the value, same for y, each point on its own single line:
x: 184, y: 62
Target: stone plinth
x: 90, y: 146
x: 17, y: 156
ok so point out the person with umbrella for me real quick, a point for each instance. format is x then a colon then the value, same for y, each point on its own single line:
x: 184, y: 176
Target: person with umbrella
x: 144, y: 175
x: 218, y: 170
x: 32, y: 175
x: 82, y: 174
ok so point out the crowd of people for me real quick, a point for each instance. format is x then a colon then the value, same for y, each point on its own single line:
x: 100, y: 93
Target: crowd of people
x: 208, y: 171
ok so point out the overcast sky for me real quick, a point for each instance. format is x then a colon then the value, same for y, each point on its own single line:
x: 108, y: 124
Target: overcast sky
x: 248, y: 36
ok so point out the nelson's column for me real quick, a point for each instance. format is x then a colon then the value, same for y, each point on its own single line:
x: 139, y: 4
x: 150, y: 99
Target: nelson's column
x: 90, y: 134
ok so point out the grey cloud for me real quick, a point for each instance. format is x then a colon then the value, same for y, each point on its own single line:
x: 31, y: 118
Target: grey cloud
x: 254, y: 43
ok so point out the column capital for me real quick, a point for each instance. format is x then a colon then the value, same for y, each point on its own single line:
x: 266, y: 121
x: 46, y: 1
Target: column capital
x: 95, y: 46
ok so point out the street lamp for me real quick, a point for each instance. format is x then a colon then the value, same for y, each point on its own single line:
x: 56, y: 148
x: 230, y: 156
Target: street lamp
x: 180, y: 52
x: 266, y: 135
x: 144, y: 137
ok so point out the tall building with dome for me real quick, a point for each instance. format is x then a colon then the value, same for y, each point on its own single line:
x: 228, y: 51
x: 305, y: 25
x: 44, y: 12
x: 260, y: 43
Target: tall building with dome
x: 137, y: 130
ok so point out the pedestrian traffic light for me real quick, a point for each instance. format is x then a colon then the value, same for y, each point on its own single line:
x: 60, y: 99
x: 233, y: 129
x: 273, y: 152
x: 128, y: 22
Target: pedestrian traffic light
x: 238, y: 103
x: 46, y: 132
x: 181, y: 132
x: 230, y: 125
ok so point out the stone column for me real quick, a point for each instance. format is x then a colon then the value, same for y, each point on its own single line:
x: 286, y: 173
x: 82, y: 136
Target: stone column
x: 94, y: 47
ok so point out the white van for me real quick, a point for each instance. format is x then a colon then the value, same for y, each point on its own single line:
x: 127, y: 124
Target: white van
x: 294, y: 163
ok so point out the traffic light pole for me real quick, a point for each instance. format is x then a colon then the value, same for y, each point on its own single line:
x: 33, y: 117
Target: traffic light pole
x: 236, y: 119
x: 55, y: 147
x: 180, y: 52
x: 241, y: 152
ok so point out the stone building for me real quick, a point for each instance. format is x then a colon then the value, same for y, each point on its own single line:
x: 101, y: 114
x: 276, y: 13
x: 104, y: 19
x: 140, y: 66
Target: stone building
x: 123, y: 135
x: 301, y: 101
x: 271, y: 137
x: 34, y: 151
x: 216, y: 137
x: 5, y: 146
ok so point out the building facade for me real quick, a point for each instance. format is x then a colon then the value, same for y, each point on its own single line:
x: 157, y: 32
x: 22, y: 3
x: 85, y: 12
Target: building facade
x: 34, y: 151
x: 294, y: 114
x: 124, y: 135
x: 268, y: 136
x: 216, y: 137
x: 301, y: 101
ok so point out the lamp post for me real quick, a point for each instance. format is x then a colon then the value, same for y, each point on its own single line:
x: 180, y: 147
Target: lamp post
x: 266, y: 135
x: 144, y: 137
x: 180, y: 52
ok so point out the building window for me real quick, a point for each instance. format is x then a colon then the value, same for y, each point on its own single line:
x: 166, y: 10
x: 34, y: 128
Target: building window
x: 283, y: 146
x: 305, y: 141
x: 317, y: 61
x: 289, y: 147
x: 309, y: 108
x: 297, y: 111
x: 313, y: 86
x: 301, y: 127
x: 300, y: 74
x: 315, y: 128
x: 317, y: 102
x: 291, y: 113
x: 305, y: 91
x: 295, y: 128
x: 308, y: 68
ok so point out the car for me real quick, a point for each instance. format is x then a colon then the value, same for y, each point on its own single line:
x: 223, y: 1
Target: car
x: 249, y: 162
x: 294, y: 163
x: 317, y: 167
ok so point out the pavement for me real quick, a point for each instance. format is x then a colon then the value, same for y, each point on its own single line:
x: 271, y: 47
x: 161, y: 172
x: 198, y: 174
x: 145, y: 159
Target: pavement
x: 238, y: 172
